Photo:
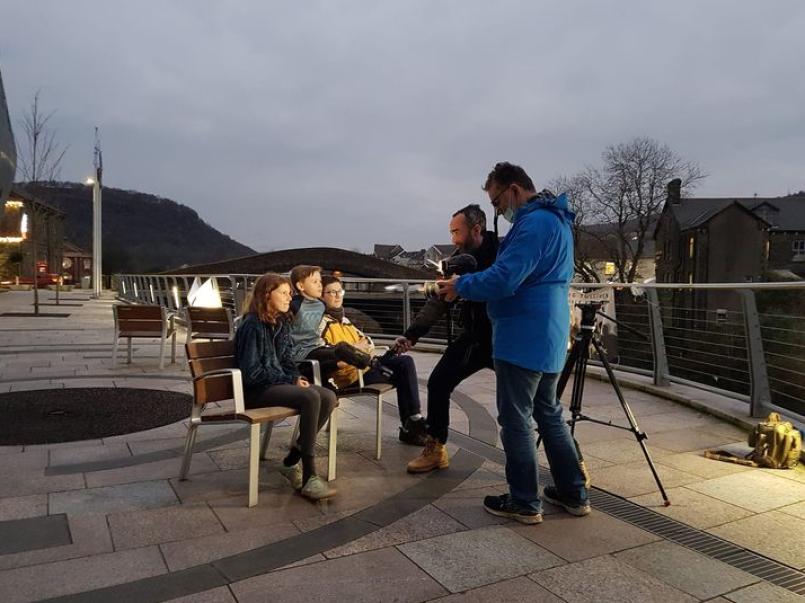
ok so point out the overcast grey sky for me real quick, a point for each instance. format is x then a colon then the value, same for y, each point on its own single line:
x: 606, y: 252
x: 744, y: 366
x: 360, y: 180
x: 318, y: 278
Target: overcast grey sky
x: 344, y: 123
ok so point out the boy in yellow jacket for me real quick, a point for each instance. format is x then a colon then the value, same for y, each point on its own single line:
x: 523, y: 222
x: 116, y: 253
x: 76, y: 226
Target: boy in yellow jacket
x: 336, y: 328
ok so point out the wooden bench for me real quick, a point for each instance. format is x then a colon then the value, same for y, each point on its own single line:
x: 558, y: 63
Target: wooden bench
x: 144, y: 321
x: 208, y: 323
x: 216, y: 378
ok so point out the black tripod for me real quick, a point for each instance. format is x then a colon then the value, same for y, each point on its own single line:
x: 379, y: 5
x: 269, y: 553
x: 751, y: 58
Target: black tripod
x: 577, y: 363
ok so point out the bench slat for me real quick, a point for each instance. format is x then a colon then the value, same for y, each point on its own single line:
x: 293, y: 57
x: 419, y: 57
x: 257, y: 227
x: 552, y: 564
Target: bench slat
x: 145, y: 312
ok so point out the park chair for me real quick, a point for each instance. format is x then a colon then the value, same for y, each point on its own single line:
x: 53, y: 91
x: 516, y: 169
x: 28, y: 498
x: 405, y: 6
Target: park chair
x: 216, y: 378
x: 374, y: 390
x: 208, y: 323
x: 144, y: 321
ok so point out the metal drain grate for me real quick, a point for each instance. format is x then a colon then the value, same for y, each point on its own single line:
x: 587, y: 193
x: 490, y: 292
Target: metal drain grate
x: 752, y: 563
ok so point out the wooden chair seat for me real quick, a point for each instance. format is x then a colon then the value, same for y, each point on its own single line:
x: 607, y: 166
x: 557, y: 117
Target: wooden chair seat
x: 252, y: 415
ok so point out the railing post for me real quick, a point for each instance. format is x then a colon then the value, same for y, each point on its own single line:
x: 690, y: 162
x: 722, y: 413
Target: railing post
x: 760, y: 396
x: 661, y: 371
x: 406, y: 307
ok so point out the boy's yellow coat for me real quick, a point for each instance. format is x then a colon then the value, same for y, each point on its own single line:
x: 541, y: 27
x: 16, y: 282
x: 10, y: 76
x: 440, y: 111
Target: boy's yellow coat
x: 335, y: 332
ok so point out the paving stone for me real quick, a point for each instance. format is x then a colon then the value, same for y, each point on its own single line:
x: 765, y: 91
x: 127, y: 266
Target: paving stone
x: 634, y: 479
x: 774, y: 534
x: 326, y: 517
x: 685, y: 440
x: 273, y: 506
x: 685, y: 569
x: 621, y: 451
x: 21, y: 481
x: 384, y: 575
x: 466, y: 507
x: 797, y: 473
x: 216, y: 595
x: 607, y: 579
x: 754, y: 490
x: 695, y: 463
x: 797, y: 510
x: 86, y: 454
x: 425, y: 523
x: 693, y: 508
x: 225, y: 484
x: 111, y: 499
x: 192, y: 551
x: 764, y: 592
x: 78, y: 575
x: 487, y: 555
x: 574, y: 538
x: 141, y: 528
x: 516, y: 589
x: 90, y: 536
x: 164, y: 469
x: 19, y: 507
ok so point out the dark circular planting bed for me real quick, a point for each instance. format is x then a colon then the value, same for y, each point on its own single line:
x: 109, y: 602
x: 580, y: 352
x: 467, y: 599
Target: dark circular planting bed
x: 50, y: 416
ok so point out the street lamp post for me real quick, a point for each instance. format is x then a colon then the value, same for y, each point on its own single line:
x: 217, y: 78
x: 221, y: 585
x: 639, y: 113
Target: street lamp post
x: 97, y: 237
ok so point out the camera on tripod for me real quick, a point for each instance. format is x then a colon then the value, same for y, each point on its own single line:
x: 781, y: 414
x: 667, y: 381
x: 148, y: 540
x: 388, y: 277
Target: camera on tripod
x: 462, y: 263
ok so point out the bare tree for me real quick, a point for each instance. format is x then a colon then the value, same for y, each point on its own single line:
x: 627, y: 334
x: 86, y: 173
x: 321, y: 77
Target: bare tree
x: 579, y: 203
x: 40, y: 161
x: 41, y: 155
x: 623, y: 198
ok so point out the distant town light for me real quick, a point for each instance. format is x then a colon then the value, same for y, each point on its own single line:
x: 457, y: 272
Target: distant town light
x: 89, y: 181
x: 11, y: 203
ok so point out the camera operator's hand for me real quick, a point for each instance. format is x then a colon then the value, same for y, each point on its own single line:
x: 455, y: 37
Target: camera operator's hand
x: 402, y: 345
x: 447, y: 289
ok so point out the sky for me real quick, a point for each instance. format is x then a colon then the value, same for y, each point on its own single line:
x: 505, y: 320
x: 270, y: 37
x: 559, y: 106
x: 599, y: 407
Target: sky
x: 348, y: 123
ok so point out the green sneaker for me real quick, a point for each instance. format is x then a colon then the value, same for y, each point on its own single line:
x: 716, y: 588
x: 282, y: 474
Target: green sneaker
x: 293, y: 474
x: 317, y: 489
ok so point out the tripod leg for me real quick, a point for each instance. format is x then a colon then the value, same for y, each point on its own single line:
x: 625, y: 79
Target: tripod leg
x: 640, y: 436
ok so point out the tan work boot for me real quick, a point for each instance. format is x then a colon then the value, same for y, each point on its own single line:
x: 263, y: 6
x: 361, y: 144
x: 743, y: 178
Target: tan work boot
x: 434, y: 456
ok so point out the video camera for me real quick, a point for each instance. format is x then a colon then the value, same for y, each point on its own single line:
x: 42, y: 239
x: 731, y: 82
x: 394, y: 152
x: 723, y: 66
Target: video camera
x: 462, y: 263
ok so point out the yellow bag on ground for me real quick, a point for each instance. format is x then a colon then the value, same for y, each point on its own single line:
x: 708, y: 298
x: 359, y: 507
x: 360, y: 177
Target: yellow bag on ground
x: 777, y: 444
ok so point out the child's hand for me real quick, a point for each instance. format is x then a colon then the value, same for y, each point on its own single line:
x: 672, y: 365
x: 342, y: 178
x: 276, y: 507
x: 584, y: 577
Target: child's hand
x: 302, y: 382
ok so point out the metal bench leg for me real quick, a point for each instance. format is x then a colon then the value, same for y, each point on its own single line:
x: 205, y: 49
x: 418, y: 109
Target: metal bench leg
x: 254, y: 463
x: 189, y: 442
x: 162, y: 343
x: 173, y: 347
x: 114, y: 351
x: 266, y: 438
x: 129, y: 352
x: 379, y: 425
x: 332, y: 444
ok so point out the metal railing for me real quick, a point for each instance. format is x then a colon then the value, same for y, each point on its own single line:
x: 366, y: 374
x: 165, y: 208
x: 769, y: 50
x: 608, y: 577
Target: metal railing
x: 744, y: 340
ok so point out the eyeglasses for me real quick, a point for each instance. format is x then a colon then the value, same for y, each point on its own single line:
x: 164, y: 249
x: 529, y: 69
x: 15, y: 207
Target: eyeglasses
x: 495, y: 200
x: 336, y: 293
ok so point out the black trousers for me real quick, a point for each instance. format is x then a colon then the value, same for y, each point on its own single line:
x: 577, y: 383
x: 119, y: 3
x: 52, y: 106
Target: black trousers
x: 462, y: 358
x: 314, y: 403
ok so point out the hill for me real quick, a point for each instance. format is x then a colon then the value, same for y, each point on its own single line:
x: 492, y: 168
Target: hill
x: 141, y: 232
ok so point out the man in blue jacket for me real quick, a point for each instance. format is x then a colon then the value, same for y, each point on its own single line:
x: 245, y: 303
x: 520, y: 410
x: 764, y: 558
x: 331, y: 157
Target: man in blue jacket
x: 526, y: 291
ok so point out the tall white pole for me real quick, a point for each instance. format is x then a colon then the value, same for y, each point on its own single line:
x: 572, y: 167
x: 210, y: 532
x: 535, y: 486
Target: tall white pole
x: 97, y: 239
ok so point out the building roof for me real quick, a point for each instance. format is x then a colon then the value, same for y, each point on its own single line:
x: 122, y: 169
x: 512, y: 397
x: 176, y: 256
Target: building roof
x: 782, y: 213
x: 444, y: 250
x: 386, y: 252
x: 19, y: 191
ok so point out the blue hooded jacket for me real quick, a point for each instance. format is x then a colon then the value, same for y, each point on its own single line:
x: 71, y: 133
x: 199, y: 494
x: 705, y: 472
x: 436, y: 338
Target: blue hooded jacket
x: 526, y: 289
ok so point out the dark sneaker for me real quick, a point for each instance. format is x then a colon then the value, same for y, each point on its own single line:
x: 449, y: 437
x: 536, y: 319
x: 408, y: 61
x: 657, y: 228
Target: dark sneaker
x: 502, y: 506
x: 574, y: 507
x: 413, y: 432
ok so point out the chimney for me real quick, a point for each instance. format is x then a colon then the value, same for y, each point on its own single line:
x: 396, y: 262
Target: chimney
x: 674, y: 191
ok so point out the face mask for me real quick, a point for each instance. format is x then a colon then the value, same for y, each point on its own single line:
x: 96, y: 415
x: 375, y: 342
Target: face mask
x: 508, y: 215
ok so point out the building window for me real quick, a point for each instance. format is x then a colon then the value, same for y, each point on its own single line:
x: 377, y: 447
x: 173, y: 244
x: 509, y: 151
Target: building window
x: 609, y: 268
x: 798, y: 247
x: 691, y: 246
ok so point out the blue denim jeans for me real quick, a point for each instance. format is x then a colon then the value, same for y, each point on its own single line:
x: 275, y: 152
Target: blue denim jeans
x: 523, y: 394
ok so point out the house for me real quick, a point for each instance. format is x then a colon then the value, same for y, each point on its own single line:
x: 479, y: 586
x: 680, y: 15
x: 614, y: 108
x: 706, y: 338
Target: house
x: 728, y: 240
x: 597, y: 245
x: 76, y: 263
x: 26, y: 221
x: 387, y: 252
x: 436, y: 253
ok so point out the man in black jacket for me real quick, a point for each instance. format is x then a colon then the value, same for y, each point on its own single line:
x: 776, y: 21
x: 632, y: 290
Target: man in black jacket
x: 470, y: 352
